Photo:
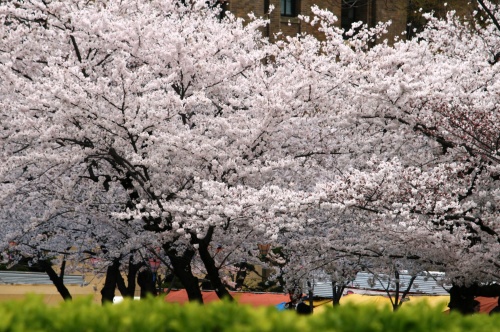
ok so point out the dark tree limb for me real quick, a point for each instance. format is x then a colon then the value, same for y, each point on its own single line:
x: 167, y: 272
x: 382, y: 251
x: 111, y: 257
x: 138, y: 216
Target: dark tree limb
x: 56, y: 280
x: 110, y: 283
x: 181, y: 266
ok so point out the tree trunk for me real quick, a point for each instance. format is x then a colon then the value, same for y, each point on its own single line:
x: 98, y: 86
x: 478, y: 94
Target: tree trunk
x: 396, y: 302
x: 133, y: 269
x: 462, y: 299
x: 170, y: 286
x: 209, y: 263
x: 337, y: 293
x: 181, y: 266
x: 311, y: 295
x: 112, y: 275
x: 213, y: 272
x: 147, y: 283
x: 128, y: 290
x: 56, y: 280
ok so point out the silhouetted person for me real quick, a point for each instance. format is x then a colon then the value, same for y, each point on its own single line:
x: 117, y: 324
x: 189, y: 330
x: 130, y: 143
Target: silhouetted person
x: 146, y: 282
x: 303, y: 309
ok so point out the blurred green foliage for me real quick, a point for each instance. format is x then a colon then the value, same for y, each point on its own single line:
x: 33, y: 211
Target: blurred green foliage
x: 156, y: 315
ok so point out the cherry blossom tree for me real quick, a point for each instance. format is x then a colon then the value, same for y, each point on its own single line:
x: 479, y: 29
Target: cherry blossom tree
x: 177, y: 115
x: 413, y: 161
x: 427, y: 156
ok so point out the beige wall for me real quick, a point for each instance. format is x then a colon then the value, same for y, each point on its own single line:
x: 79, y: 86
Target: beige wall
x: 92, y: 288
x: 49, y: 292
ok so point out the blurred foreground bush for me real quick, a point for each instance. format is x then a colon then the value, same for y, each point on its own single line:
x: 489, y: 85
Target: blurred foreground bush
x: 155, y: 315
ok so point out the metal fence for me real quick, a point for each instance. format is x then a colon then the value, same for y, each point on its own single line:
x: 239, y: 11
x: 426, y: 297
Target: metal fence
x: 366, y: 283
x: 36, y: 278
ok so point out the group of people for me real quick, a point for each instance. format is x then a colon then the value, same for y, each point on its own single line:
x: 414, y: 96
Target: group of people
x: 301, y: 307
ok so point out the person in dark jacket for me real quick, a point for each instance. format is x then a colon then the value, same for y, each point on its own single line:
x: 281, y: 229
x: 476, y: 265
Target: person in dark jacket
x: 303, y: 309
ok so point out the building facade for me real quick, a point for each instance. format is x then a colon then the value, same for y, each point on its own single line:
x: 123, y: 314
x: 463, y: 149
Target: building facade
x: 284, y: 16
